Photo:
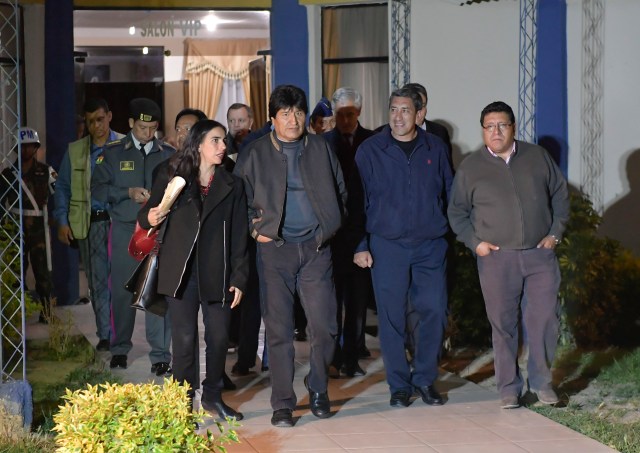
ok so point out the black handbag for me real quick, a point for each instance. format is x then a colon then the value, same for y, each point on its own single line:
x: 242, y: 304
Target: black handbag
x: 144, y: 286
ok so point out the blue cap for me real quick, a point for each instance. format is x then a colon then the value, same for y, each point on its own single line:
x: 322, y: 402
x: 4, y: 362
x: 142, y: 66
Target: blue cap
x: 323, y: 109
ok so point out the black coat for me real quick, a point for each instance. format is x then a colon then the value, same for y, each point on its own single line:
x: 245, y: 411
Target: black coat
x: 214, y: 229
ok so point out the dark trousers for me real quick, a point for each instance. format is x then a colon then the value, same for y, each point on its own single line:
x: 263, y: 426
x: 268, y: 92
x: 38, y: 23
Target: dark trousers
x: 282, y: 271
x: 249, y: 310
x: 416, y: 272
x: 94, y: 252
x: 184, y: 334
x: 354, y: 291
x: 506, y: 276
x: 157, y: 328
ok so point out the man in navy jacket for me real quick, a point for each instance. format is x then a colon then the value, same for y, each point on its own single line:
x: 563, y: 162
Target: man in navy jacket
x: 397, y: 208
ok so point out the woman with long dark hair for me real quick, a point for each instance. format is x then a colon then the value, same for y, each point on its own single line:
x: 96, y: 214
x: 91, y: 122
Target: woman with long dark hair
x: 202, y: 260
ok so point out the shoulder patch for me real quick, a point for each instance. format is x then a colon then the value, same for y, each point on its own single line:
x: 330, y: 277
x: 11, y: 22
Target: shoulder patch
x: 99, y: 159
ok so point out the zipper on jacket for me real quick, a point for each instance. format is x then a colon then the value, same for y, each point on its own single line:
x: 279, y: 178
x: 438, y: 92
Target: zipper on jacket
x: 224, y: 259
x: 184, y: 268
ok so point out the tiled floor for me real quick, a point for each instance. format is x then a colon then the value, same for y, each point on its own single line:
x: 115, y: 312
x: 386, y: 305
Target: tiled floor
x: 470, y: 422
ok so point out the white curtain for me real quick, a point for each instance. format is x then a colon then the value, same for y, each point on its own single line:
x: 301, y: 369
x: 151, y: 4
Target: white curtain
x: 232, y: 92
x: 359, y: 32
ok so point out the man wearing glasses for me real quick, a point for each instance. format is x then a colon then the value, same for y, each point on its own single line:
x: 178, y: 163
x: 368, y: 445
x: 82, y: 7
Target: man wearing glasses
x: 509, y: 205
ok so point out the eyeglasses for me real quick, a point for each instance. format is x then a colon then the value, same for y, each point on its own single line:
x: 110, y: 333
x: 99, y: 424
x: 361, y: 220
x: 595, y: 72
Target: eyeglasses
x: 492, y: 127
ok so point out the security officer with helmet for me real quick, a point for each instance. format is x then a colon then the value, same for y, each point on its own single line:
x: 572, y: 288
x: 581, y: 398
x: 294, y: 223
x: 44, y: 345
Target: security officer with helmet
x: 37, y: 180
x: 122, y: 177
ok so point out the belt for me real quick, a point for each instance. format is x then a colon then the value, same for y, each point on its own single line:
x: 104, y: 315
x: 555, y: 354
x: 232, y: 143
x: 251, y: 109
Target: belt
x: 100, y: 215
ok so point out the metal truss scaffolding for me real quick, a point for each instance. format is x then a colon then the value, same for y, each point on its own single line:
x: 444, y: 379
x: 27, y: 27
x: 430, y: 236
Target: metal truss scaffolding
x: 12, y: 286
x: 400, y: 43
x: 527, y: 72
x: 592, y: 175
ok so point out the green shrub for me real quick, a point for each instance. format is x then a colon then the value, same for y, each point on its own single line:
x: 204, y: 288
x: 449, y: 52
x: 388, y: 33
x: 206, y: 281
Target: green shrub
x: 10, y: 284
x: 134, y: 418
x: 598, y: 295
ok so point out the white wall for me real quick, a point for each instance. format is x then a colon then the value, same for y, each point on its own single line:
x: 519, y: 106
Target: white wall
x: 621, y: 91
x: 466, y: 56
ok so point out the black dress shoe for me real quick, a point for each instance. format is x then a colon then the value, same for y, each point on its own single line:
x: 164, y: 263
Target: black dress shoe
x: 282, y: 418
x: 430, y: 395
x: 400, y: 399
x: 118, y: 361
x: 239, y: 370
x: 161, y: 368
x: 364, y: 353
x: 353, y: 370
x: 103, y: 345
x: 318, y: 402
x: 300, y: 335
x: 227, y: 383
x: 221, y: 409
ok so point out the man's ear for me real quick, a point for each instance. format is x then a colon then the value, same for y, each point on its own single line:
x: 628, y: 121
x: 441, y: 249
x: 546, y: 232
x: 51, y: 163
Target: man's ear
x: 131, y: 123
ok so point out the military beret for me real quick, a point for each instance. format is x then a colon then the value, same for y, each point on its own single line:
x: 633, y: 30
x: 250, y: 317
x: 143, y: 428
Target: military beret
x: 144, y: 109
x: 323, y: 108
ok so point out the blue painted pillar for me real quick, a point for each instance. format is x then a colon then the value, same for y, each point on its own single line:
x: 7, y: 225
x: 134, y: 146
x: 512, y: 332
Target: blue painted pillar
x: 290, y: 44
x: 60, y: 117
x: 551, y: 80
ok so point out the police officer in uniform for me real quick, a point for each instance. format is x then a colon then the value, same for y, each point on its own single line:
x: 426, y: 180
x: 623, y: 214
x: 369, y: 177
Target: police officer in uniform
x: 122, y: 178
x: 37, y: 181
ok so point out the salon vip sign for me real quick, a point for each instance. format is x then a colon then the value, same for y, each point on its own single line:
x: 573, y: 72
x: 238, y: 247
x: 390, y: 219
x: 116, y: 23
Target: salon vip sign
x: 170, y: 28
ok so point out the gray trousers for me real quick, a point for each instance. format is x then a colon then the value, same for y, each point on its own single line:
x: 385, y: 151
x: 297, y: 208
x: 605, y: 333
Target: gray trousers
x: 94, y: 252
x: 158, y: 329
x: 505, y: 277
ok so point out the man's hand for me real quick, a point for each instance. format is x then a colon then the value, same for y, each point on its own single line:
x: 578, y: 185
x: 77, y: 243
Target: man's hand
x: 548, y: 242
x: 485, y: 248
x: 259, y: 237
x: 363, y: 259
x: 65, y: 235
x: 139, y: 194
x: 236, y: 297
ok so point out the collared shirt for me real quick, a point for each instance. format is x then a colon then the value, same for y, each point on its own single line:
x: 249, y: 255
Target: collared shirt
x: 513, y: 151
x: 147, y: 146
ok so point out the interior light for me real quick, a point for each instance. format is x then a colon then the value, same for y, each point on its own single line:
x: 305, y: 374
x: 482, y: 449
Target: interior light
x: 145, y: 50
x: 211, y: 21
x: 132, y: 30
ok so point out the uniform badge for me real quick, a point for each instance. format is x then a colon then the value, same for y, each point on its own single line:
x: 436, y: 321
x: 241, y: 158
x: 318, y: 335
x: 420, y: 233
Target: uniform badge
x: 126, y: 165
x: 99, y: 159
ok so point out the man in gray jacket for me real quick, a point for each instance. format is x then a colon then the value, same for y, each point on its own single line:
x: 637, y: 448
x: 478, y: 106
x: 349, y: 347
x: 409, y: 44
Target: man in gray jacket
x: 509, y: 205
x: 122, y: 178
x: 295, y: 196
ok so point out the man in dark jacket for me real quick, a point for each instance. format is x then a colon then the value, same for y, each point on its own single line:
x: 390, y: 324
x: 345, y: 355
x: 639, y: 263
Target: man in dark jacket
x: 353, y: 284
x: 509, y: 205
x: 295, y: 197
x: 400, y: 200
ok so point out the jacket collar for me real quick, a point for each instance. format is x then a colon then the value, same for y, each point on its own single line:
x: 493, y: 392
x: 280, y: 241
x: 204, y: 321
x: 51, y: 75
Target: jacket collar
x: 276, y: 143
x: 220, y: 188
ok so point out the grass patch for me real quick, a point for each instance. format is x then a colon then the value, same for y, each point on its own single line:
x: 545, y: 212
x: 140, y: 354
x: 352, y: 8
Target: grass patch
x: 604, y: 396
x: 603, y: 427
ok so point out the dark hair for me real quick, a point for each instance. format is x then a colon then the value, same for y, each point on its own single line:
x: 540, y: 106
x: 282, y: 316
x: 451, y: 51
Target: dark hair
x: 287, y: 96
x: 186, y: 161
x: 195, y: 112
x: 419, y: 88
x: 410, y: 93
x: 497, y: 107
x: 238, y: 106
x: 91, y: 105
